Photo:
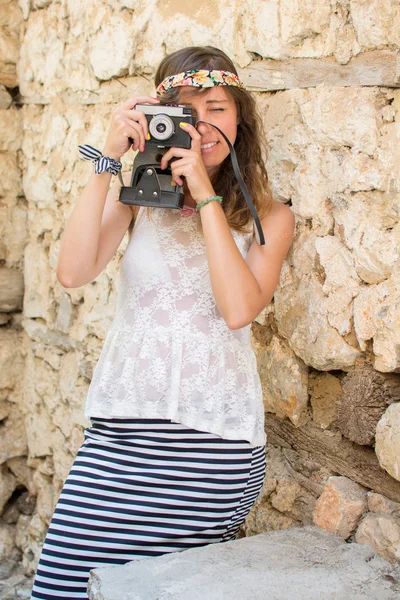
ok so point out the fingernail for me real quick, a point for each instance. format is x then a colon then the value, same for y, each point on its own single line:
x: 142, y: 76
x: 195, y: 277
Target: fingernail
x: 183, y: 124
x: 173, y: 183
x: 148, y: 136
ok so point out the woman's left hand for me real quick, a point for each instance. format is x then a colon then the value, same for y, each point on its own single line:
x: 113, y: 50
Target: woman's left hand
x: 190, y: 165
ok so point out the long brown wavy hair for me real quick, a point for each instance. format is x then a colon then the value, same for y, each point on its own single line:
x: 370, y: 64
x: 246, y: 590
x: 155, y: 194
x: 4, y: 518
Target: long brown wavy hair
x: 249, y: 147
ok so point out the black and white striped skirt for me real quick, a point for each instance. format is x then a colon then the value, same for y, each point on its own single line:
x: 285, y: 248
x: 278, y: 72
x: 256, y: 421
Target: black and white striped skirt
x: 141, y: 488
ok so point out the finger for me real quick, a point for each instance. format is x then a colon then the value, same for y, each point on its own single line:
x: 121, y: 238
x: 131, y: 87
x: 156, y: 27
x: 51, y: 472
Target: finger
x: 131, y: 102
x: 194, y: 134
x: 139, y: 133
x: 135, y: 132
x: 173, y: 152
x: 140, y: 117
x: 178, y: 170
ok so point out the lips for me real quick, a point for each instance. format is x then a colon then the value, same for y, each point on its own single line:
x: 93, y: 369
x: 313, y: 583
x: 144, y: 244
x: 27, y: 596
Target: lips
x: 208, y: 145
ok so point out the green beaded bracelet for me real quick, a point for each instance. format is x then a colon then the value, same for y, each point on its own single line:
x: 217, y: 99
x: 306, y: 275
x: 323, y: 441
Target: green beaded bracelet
x: 219, y: 198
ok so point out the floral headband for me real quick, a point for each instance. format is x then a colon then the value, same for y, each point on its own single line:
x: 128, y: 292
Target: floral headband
x: 199, y: 78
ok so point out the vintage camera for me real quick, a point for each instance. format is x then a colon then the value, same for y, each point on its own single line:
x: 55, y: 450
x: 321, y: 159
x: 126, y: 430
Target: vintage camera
x: 151, y: 186
x: 164, y: 124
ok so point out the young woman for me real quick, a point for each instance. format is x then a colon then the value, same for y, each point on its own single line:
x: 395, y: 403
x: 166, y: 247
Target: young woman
x: 175, y: 455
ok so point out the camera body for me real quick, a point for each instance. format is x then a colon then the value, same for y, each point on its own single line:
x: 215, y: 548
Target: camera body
x: 151, y: 186
x: 164, y: 122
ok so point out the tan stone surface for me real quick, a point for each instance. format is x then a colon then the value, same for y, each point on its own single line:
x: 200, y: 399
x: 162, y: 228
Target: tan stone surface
x: 387, y: 446
x: 382, y: 533
x: 284, y: 380
x: 7, y: 543
x: 325, y: 390
x: 376, y: 318
x: 10, y: 19
x: 8, y: 483
x: 11, y: 362
x: 385, y: 17
x: 23, y: 473
x: 12, y: 435
x: 379, y: 504
x: 340, y: 506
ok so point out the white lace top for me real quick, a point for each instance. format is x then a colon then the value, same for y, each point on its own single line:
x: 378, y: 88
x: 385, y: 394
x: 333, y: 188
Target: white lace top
x: 169, y: 353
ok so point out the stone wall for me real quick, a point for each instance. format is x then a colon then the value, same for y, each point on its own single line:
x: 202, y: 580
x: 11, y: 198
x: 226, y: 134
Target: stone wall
x: 326, y: 78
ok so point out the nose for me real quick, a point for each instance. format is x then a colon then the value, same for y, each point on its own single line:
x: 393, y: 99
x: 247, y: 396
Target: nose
x: 201, y: 127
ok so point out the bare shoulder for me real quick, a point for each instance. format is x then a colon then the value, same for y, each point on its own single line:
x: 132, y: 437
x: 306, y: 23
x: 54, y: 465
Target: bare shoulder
x: 279, y: 222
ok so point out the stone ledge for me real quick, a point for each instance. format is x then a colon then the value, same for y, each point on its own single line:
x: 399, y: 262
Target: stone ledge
x: 306, y: 563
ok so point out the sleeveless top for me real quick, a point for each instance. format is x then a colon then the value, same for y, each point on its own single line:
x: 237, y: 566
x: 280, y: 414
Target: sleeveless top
x: 169, y: 353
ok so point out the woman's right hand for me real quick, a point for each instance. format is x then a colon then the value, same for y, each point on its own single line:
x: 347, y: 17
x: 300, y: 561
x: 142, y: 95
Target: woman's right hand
x: 126, y: 122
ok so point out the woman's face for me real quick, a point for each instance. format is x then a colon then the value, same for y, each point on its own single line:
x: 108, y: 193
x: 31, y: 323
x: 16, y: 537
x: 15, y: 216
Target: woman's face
x: 218, y: 107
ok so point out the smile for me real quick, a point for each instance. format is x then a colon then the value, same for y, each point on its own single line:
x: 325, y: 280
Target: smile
x: 205, y: 146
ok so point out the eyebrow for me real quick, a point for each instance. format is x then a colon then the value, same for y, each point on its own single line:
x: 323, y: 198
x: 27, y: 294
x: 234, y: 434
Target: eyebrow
x: 208, y: 102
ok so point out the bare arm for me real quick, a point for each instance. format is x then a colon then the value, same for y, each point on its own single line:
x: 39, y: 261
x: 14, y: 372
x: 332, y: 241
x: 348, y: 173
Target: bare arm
x: 242, y: 288
x: 94, y: 231
x: 98, y: 221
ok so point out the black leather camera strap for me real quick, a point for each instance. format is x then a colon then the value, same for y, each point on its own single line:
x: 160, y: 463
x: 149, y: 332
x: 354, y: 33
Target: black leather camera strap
x: 259, y: 234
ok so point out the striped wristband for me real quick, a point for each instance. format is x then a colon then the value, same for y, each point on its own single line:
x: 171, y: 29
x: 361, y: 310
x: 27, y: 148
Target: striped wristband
x: 101, y: 163
x: 210, y: 199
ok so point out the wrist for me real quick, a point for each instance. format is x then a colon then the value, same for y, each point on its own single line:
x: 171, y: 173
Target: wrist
x: 210, y: 200
x: 200, y: 197
x: 111, y: 154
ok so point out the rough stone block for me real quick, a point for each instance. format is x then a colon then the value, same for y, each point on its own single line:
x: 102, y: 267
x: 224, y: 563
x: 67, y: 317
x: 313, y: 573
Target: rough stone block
x: 311, y: 562
x: 387, y: 438
x: 340, y: 506
x: 382, y: 533
x: 325, y: 391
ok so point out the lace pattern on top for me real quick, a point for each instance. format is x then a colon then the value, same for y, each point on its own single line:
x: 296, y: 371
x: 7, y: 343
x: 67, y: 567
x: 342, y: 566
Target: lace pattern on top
x: 169, y: 353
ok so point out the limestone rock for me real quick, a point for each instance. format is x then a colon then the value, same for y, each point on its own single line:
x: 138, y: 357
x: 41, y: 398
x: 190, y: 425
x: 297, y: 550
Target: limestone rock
x: 266, y: 518
x: 340, y: 506
x: 10, y: 130
x: 302, y: 312
x: 12, y: 436
x: 40, y: 66
x: 382, y: 533
x: 8, y: 484
x: 385, y: 17
x: 368, y: 222
x: 11, y: 361
x: 284, y: 380
x: 9, y: 42
x: 323, y: 109
x: 325, y: 390
x: 22, y: 538
x: 287, y: 30
x: 5, y: 98
x: 45, y: 499
x: 7, y: 543
x: 11, y: 290
x: 379, y: 504
x: 310, y: 561
x: 377, y: 318
x: 387, y: 446
x: 112, y: 47
x: 38, y: 427
x: 341, y: 282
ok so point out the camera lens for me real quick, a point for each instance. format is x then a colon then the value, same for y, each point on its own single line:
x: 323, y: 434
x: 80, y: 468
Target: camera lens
x: 161, y: 127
